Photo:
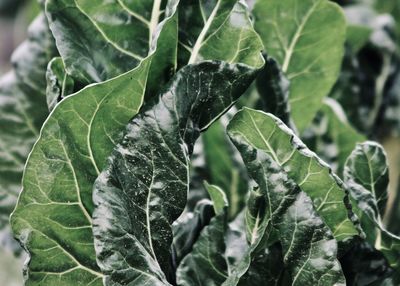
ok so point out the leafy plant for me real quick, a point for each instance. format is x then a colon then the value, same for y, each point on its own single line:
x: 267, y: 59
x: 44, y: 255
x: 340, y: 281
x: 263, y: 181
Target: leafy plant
x: 144, y: 172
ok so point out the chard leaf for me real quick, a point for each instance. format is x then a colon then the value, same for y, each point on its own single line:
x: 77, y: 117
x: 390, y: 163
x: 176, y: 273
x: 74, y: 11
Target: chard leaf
x: 59, y: 83
x: 186, y: 229
x: 99, y: 40
x: 280, y: 206
x: 206, y: 263
x: 306, y: 37
x: 22, y: 113
x: 366, y: 173
x: 331, y: 136
x: 206, y: 28
x: 314, y: 177
x: 225, y: 166
x: 134, y: 206
x: 53, y: 217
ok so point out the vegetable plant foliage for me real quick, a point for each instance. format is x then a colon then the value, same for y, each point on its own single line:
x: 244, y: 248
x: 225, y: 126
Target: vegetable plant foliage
x: 222, y: 142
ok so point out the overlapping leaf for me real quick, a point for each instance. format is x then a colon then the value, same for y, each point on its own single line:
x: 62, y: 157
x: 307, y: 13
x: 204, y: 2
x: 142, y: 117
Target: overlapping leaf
x: 366, y: 173
x: 306, y: 37
x: 134, y: 205
x: 53, y: 215
x: 313, y: 176
x: 279, y: 210
x: 59, y: 83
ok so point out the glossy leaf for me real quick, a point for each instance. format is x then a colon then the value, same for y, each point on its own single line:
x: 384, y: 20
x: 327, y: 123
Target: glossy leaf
x: 103, y: 39
x: 59, y: 83
x: 53, y: 215
x: 134, y: 206
x: 186, y: 229
x: 315, y: 178
x: 279, y: 205
x: 366, y: 173
x: 306, y: 37
x: 218, y: 30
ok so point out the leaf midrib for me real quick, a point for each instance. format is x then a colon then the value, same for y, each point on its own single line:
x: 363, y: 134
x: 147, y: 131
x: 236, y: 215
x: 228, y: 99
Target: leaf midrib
x: 289, y: 52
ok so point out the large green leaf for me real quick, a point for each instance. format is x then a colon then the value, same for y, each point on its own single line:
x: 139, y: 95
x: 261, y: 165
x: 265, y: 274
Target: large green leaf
x: 134, y: 205
x: 102, y: 39
x: 366, y: 173
x: 219, y: 30
x: 314, y: 177
x: 331, y: 136
x: 279, y: 210
x: 306, y: 37
x: 53, y: 216
x: 22, y: 112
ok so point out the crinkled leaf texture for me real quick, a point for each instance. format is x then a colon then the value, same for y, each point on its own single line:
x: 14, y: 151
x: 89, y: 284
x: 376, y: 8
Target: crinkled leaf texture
x: 313, y: 176
x: 144, y: 188
x: 366, y: 173
x: 53, y: 217
x: 22, y: 113
x: 279, y: 210
x: 306, y: 37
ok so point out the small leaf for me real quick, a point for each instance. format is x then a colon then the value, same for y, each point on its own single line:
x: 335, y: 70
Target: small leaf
x: 186, y: 229
x: 306, y: 37
x: 134, y: 205
x: 218, y: 197
x: 59, y: 83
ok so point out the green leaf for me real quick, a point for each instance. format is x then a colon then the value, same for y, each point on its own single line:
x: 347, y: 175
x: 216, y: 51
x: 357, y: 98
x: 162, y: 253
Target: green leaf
x: 331, y: 136
x: 53, y: 215
x: 218, y: 197
x: 219, y: 30
x: 186, y: 229
x: 366, y: 173
x: 315, y: 178
x: 306, y: 37
x: 59, y: 83
x: 206, y: 263
x: 224, y: 165
x: 22, y: 113
x: 99, y: 39
x: 134, y: 206
x: 280, y: 210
